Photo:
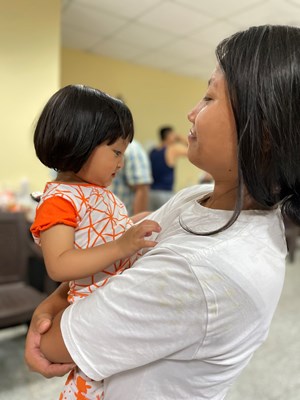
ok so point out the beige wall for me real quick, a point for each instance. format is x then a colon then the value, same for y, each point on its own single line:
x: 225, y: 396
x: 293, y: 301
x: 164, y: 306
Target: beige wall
x: 29, y: 70
x: 33, y: 66
x: 155, y: 97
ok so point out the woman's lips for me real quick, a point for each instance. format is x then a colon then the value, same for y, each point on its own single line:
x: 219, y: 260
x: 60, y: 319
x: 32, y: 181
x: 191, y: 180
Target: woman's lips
x: 191, y: 134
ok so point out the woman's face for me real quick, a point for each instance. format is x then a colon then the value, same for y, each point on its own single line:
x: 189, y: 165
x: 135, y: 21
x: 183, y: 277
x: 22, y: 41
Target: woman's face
x: 212, y: 138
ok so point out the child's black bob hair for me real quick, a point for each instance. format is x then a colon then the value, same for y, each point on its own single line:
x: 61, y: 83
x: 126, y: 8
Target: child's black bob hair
x: 74, y: 122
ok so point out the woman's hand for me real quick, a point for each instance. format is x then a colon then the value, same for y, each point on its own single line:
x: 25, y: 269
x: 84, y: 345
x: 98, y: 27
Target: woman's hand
x: 34, y: 358
x: 40, y: 324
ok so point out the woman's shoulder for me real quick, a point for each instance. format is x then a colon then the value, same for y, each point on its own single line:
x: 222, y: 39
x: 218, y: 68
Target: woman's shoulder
x: 192, y: 193
x: 179, y: 201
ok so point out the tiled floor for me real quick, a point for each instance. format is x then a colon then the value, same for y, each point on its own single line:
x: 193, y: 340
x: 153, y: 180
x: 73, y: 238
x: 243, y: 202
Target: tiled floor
x: 16, y: 382
x: 273, y: 373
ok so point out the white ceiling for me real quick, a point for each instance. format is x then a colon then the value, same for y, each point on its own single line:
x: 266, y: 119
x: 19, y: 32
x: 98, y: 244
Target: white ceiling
x: 178, y: 36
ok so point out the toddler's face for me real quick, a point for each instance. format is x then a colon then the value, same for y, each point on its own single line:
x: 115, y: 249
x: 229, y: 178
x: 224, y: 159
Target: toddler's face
x: 104, y: 162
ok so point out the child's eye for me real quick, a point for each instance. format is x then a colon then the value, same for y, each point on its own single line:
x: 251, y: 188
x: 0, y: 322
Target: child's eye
x: 117, y: 153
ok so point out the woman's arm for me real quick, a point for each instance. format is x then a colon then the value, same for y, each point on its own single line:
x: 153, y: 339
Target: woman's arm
x: 65, y: 263
x: 154, y: 302
x: 40, y: 323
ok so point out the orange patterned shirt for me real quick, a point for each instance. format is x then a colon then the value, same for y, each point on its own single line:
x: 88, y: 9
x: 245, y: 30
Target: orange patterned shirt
x: 97, y: 216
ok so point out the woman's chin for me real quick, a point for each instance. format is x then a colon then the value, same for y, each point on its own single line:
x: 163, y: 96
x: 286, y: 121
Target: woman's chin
x: 193, y: 160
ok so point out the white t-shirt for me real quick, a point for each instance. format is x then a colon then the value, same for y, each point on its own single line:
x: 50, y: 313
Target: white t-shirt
x: 185, y: 320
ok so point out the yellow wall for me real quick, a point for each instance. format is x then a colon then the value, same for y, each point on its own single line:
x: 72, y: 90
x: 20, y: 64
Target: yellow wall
x: 33, y: 66
x: 155, y: 97
x: 29, y: 70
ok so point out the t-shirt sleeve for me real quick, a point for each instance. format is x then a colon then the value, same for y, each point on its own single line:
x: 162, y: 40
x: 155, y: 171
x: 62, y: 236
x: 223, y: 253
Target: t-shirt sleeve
x: 154, y: 310
x: 53, y: 211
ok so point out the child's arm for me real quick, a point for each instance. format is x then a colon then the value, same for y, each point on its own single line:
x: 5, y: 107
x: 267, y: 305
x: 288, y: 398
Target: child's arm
x: 52, y: 344
x: 64, y: 262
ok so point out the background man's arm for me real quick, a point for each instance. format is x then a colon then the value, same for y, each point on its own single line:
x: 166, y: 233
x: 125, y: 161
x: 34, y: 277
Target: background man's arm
x: 141, y: 198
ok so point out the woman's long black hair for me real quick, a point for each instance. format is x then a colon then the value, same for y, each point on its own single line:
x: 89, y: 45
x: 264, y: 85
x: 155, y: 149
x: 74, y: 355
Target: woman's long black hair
x: 262, y: 70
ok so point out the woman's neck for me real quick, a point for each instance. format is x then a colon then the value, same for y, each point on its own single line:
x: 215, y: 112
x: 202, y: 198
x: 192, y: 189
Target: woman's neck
x: 220, y: 200
x: 225, y: 197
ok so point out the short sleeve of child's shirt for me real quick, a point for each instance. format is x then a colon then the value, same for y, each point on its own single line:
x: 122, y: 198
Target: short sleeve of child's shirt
x: 53, y: 211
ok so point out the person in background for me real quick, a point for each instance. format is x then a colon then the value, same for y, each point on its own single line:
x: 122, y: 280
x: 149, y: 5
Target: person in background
x: 132, y: 183
x: 185, y: 321
x: 163, y: 160
x: 84, y: 231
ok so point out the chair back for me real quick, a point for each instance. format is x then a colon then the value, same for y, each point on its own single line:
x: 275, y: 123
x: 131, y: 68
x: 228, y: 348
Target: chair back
x: 14, y: 247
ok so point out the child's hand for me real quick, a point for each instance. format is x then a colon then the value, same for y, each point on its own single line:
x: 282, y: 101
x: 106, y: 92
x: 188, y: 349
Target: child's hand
x: 138, y: 217
x: 135, y: 238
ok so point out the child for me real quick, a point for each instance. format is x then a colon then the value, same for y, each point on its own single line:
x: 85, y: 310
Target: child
x: 84, y: 230
x: 201, y: 302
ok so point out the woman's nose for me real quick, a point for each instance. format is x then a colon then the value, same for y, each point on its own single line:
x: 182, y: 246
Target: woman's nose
x: 192, y: 114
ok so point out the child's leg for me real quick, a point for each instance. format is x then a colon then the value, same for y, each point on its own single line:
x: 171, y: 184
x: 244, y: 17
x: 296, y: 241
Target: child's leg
x: 79, y: 387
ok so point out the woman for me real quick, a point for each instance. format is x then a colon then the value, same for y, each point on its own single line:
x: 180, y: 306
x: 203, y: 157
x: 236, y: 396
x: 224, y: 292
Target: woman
x: 187, y: 318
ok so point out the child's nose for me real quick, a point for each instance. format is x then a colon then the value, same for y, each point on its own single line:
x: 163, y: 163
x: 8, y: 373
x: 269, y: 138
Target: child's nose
x: 121, y: 163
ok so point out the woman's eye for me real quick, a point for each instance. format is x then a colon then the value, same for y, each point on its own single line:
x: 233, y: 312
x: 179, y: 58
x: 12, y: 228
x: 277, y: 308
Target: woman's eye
x: 207, y: 98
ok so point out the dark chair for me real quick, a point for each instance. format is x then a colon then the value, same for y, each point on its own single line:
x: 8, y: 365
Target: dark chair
x: 17, y: 298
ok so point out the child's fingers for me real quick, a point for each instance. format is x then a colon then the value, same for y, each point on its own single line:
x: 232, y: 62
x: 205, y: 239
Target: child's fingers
x: 148, y: 226
x: 149, y: 243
